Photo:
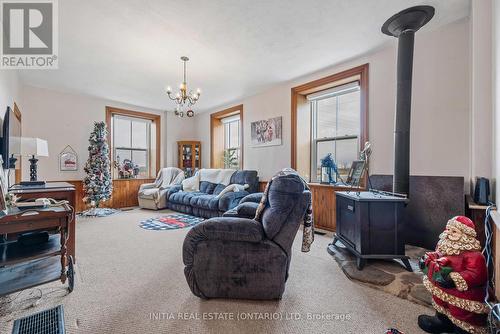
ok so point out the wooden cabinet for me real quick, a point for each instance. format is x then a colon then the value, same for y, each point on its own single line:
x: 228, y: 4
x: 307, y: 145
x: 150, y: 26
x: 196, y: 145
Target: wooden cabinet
x: 324, y: 204
x: 189, y: 156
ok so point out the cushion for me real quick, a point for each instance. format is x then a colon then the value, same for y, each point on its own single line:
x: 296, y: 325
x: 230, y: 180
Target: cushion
x: 233, y: 187
x: 183, y: 197
x: 149, y: 193
x: 284, y: 193
x: 247, y: 209
x: 191, y: 183
x: 219, y: 188
x: 207, y: 187
x: 246, y: 177
x: 209, y: 202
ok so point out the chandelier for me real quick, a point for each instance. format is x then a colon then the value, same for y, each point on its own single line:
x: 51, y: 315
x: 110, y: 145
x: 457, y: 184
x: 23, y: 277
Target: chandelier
x: 184, y: 99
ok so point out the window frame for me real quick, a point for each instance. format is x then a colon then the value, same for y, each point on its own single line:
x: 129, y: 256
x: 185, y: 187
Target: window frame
x: 320, y: 84
x: 314, y: 126
x: 217, y: 133
x: 227, y: 136
x: 155, y: 119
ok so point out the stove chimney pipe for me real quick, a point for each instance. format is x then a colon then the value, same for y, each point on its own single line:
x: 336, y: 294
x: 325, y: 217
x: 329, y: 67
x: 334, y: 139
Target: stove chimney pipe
x: 403, y: 26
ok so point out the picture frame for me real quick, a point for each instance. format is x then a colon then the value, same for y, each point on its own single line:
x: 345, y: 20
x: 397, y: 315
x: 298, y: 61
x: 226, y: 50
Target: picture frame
x: 267, y: 132
x: 68, y: 159
x: 356, y: 172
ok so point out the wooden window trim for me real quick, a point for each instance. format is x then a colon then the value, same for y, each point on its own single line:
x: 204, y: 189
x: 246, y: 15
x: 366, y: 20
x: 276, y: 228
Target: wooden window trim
x: 362, y: 72
x: 215, y: 119
x: 156, y: 119
x: 19, y: 170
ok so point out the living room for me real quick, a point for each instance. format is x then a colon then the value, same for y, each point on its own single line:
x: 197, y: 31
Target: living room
x: 230, y: 203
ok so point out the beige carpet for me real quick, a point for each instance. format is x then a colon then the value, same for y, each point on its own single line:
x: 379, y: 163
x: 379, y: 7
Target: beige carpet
x: 130, y: 280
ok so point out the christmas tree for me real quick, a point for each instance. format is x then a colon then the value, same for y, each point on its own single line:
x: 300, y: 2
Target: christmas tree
x: 97, y: 185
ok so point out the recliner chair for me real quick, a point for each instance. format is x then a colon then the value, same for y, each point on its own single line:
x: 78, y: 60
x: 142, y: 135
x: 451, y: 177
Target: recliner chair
x: 154, y: 196
x: 233, y: 257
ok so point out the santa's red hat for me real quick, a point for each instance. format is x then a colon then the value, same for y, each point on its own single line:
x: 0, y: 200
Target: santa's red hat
x: 464, y: 224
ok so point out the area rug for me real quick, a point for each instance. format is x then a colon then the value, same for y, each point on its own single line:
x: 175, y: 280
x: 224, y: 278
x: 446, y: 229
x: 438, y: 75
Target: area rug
x: 99, y: 212
x: 171, y: 221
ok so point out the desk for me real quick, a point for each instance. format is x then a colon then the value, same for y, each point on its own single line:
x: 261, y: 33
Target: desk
x: 22, y: 266
x: 58, y: 191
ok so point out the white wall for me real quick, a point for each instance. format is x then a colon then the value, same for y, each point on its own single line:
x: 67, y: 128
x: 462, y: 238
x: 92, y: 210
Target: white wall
x: 440, y: 114
x: 67, y: 119
x: 9, y: 90
x: 482, y: 91
x: 496, y: 94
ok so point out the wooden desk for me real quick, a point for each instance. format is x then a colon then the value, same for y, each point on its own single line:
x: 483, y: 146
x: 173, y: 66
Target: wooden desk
x: 22, y: 266
x: 58, y: 191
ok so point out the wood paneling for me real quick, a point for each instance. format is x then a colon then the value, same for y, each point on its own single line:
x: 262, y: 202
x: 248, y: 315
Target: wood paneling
x: 124, y: 193
x: 317, y: 85
x: 217, y: 135
x: 324, y: 205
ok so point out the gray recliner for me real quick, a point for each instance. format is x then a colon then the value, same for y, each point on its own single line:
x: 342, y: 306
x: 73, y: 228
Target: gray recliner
x: 154, y: 196
x: 234, y: 257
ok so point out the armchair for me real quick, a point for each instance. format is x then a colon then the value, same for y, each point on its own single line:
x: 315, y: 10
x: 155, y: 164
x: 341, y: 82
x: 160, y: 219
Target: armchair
x: 155, y: 195
x: 233, y: 257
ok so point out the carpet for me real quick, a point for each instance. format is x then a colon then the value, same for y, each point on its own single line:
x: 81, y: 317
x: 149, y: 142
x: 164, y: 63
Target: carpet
x: 129, y: 280
x: 171, y: 221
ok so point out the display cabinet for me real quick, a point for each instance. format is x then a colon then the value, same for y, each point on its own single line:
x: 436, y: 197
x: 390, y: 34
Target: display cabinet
x: 189, y: 159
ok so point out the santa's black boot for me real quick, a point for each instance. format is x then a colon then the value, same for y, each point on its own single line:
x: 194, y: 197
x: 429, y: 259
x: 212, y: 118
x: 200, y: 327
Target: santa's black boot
x: 435, y: 324
x: 459, y: 330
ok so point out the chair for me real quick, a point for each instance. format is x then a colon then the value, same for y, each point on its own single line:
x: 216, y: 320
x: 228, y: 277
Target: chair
x: 234, y: 257
x: 154, y: 195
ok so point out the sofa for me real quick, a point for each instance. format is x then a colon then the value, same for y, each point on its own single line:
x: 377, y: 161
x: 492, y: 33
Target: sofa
x: 154, y: 195
x: 206, y: 201
x: 241, y: 258
x: 246, y: 208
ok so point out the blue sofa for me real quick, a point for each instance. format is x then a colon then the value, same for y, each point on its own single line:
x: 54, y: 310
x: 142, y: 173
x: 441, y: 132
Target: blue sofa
x: 205, y: 202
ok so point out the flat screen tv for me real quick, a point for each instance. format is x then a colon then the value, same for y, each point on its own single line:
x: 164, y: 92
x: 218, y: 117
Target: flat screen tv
x: 10, y: 146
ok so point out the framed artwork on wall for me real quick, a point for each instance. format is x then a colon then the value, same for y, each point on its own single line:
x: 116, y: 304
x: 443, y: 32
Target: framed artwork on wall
x: 68, y: 159
x: 266, y: 132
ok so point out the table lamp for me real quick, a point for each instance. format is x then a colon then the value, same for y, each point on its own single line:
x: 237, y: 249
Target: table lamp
x: 34, y: 147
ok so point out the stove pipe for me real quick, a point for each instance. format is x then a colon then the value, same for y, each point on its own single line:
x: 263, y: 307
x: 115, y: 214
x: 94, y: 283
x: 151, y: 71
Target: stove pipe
x: 403, y: 26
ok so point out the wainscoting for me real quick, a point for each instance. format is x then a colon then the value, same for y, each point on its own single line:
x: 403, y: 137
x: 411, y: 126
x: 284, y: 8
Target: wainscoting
x: 124, y: 193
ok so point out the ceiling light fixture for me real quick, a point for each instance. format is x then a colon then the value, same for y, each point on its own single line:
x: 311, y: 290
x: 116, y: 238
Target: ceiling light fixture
x: 182, y: 98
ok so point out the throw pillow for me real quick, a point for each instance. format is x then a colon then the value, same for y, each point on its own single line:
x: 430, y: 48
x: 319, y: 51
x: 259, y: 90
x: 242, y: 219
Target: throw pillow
x: 233, y: 187
x: 191, y: 183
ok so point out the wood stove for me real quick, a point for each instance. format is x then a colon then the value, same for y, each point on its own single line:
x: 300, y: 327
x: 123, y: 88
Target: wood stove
x: 368, y: 224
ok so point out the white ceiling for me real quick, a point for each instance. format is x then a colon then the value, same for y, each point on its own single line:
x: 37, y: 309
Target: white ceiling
x: 128, y: 50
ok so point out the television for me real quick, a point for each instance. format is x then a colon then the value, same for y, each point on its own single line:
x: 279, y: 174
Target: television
x: 10, y: 143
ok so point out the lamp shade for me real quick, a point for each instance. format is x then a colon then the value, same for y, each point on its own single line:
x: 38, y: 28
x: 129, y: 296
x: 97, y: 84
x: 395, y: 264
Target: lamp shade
x: 34, y: 146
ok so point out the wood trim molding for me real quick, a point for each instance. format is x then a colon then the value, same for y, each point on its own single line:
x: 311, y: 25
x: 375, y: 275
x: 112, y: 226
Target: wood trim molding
x: 18, y: 171
x: 362, y: 72
x: 215, y: 121
x: 110, y: 111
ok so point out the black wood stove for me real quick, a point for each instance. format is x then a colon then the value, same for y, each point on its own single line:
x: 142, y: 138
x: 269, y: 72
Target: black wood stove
x: 369, y: 225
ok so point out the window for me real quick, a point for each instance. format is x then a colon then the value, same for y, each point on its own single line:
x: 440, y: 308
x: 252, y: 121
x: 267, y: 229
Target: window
x: 134, y: 147
x: 231, y: 141
x: 335, y: 127
x: 226, y: 138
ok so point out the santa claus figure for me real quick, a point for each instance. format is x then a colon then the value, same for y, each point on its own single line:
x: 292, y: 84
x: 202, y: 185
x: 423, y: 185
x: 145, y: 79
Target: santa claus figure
x: 456, y: 276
